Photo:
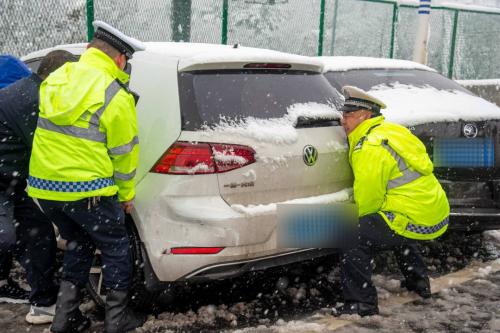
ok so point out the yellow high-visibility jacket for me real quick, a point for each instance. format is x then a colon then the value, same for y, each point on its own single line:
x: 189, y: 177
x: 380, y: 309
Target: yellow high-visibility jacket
x: 393, y: 177
x: 86, y: 141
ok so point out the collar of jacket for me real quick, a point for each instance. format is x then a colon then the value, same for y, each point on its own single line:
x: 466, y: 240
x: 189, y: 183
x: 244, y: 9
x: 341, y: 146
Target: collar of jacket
x: 362, y: 129
x: 96, y: 58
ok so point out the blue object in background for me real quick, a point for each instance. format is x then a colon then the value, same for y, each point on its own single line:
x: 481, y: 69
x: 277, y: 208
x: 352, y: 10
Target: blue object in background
x: 464, y: 152
x: 11, y: 70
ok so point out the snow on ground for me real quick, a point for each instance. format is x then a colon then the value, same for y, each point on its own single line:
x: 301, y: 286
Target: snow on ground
x: 471, y: 307
x: 409, y: 105
x: 299, y: 298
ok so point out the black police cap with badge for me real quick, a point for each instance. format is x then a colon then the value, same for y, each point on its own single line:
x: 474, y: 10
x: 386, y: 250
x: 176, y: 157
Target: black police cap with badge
x: 357, y: 99
x: 123, y: 43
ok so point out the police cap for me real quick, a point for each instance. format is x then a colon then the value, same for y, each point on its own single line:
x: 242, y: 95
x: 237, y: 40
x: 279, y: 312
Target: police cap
x: 123, y: 43
x: 357, y: 99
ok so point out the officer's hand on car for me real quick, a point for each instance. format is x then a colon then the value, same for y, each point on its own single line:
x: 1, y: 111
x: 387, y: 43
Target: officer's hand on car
x: 127, y: 206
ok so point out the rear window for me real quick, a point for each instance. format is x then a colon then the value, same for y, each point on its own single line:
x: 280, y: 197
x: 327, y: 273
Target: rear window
x: 206, y: 97
x: 368, y: 78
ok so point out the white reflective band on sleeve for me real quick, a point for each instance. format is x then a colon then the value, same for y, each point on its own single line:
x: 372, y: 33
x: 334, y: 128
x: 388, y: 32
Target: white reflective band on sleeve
x: 408, y: 175
x: 124, y: 149
x: 78, y: 132
x: 92, y: 133
x: 124, y: 176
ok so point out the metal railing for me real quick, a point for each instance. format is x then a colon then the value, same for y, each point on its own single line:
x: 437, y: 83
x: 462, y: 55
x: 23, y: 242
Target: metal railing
x: 337, y: 24
x: 464, y: 43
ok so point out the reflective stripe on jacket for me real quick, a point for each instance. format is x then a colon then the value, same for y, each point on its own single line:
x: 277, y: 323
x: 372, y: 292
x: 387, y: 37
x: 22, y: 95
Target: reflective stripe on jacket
x: 393, y: 177
x: 86, y: 141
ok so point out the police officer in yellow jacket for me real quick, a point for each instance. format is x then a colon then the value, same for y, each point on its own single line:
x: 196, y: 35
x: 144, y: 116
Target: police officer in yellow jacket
x: 398, y: 197
x: 82, y: 168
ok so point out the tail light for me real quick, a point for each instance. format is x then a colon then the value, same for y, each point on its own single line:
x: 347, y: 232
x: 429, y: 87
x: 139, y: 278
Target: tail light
x: 196, y: 250
x: 186, y: 158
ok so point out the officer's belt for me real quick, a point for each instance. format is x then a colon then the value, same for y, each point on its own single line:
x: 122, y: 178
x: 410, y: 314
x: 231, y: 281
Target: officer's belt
x: 64, y: 186
x: 419, y: 229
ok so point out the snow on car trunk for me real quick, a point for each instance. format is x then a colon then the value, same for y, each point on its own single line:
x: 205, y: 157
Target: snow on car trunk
x: 287, y: 118
x: 290, y: 162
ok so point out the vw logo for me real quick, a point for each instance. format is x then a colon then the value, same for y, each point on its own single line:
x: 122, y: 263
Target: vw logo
x: 470, y: 131
x: 310, y: 155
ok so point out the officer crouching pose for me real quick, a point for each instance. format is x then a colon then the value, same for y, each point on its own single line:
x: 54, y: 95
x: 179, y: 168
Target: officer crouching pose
x: 398, y: 197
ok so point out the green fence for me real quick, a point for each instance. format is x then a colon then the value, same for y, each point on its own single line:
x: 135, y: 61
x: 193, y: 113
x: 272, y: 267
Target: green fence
x: 463, y: 44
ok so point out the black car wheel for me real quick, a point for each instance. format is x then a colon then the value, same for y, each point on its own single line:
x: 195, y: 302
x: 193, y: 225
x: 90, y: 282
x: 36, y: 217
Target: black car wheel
x: 140, y: 297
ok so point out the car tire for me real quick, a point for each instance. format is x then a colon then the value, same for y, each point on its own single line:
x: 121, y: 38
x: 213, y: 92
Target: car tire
x: 140, y: 297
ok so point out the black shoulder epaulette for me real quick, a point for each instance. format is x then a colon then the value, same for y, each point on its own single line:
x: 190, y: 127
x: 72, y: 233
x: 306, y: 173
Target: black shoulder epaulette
x: 359, y: 145
x: 127, y: 89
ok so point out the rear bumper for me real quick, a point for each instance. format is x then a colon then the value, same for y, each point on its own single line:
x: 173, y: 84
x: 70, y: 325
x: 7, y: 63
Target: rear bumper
x: 474, y: 219
x: 232, y: 269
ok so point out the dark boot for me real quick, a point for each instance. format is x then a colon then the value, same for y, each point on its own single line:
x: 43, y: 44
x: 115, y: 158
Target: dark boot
x: 421, y: 287
x: 68, y: 318
x: 353, y: 308
x: 120, y: 318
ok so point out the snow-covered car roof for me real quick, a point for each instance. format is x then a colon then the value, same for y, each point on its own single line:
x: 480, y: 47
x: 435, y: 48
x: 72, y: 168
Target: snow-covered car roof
x: 410, y: 104
x: 339, y: 64
x: 193, y: 56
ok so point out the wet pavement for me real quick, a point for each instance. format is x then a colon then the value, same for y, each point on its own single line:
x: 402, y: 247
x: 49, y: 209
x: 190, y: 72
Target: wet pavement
x: 280, y: 300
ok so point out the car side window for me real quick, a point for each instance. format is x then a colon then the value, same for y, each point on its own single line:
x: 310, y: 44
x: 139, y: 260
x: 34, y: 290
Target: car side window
x: 33, y: 64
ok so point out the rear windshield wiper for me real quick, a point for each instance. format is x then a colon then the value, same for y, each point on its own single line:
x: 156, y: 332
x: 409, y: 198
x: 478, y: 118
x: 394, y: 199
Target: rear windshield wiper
x: 316, y: 122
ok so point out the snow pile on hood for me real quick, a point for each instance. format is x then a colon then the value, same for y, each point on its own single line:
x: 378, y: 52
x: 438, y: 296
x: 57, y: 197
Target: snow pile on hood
x: 256, y: 210
x: 410, y: 105
x: 274, y: 130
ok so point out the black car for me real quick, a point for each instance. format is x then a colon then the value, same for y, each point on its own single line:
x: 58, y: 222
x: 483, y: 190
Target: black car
x: 458, y: 128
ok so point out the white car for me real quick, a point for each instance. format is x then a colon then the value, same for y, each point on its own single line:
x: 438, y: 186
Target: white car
x: 460, y: 130
x: 226, y: 133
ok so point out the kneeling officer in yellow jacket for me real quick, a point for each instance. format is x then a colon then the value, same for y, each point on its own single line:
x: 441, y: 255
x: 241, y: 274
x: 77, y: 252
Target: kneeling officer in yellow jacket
x: 399, y: 200
x: 82, y: 168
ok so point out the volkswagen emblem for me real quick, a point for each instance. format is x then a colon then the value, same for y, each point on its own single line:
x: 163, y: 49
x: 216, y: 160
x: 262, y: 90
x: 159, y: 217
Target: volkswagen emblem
x: 310, y: 155
x: 470, y: 131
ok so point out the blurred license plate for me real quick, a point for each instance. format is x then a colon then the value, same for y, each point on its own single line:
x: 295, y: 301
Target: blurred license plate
x: 464, y: 152
x: 317, y: 225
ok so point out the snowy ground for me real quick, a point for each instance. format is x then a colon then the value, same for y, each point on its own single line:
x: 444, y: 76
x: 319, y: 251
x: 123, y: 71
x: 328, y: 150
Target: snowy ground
x: 298, y: 299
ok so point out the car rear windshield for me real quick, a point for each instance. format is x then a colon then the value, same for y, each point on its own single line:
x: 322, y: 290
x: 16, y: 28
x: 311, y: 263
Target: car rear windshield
x: 206, y: 97
x: 368, y: 78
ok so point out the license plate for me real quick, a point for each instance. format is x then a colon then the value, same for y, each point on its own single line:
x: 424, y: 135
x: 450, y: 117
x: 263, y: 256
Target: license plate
x: 317, y: 225
x: 464, y: 152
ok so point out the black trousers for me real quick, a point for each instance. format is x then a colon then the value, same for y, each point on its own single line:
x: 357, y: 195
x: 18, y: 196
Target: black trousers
x: 85, y: 226
x: 374, y: 236
x: 28, y: 234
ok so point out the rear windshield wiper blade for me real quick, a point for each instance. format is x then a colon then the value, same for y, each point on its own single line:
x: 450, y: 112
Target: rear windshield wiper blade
x: 316, y: 122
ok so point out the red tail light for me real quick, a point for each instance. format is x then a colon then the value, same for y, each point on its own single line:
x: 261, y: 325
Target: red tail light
x: 185, y: 158
x: 196, y: 250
